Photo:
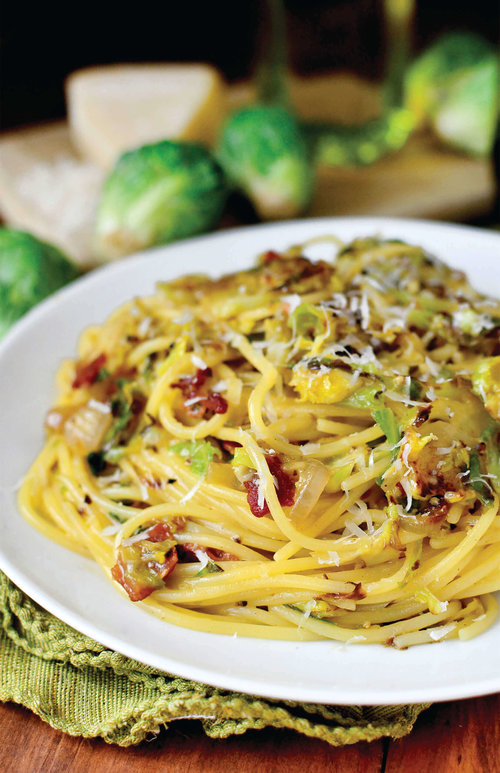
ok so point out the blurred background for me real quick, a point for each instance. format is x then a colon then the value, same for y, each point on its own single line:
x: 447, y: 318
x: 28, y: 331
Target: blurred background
x: 42, y: 45
x: 302, y: 108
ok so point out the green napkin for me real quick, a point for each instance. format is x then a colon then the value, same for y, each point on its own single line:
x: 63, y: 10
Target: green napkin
x: 80, y: 687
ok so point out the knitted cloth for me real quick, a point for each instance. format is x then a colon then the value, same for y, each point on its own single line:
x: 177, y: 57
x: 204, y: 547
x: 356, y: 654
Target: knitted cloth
x: 80, y: 687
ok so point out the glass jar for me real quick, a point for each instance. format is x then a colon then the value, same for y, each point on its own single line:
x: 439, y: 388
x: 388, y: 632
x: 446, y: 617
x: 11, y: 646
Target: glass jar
x: 341, y: 65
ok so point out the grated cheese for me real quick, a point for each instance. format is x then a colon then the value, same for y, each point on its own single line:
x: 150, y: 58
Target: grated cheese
x: 190, y: 494
x: 353, y: 528
x: 441, y: 631
x: 292, y: 301
x: 364, y: 308
x: 198, y: 362
x: 184, y: 318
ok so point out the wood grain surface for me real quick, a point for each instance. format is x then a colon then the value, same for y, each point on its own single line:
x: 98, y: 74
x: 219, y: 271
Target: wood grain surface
x: 457, y: 737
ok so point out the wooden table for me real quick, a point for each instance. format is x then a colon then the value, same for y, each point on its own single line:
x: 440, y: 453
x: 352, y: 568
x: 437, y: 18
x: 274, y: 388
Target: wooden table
x: 458, y: 737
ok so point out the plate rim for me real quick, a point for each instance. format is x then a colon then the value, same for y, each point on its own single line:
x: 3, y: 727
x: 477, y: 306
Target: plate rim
x: 231, y: 682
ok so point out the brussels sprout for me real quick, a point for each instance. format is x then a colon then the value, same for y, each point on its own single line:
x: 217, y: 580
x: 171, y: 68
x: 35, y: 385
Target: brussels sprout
x: 486, y: 384
x: 473, y: 323
x: 326, y: 385
x: 265, y: 156
x: 157, y: 194
x: 29, y: 271
x: 453, y: 87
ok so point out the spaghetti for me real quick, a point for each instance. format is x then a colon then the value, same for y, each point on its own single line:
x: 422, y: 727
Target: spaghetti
x: 298, y: 451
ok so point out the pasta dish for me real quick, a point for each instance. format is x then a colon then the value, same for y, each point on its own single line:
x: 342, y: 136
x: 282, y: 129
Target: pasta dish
x: 303, y: 450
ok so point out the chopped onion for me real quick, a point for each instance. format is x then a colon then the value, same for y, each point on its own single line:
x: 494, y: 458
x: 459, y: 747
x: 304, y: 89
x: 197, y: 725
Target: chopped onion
x: 87, y: 427
x: 313, y: 477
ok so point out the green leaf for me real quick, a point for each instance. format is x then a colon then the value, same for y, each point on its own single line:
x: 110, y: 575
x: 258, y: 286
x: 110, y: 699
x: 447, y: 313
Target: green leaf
x: 490, y: 432
x: 435, y: 605
x: 210, y: 568
x: 122, y: 412
x: 307, y: 320
x: 388, y: 423
x: 113, y: 455
x: 338, y: 476
x: 116, y: 517
x: 490, y: 436
x: 365, y: 397
x: 415, y: 389
x: 198, y: 453
x: 97, y: 462
x: 121, y: 409
x: 476, y: 480
x: 103, y: 375
x: 422, y: 318
x: 241, y: 458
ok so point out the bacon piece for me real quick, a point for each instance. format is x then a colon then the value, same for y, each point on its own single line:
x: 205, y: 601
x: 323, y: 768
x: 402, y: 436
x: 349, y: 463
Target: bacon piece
x: 206, y: 405
x: 215, y: 403
x: 312, y: 269
x: 191, y: 385
x: 137, y: 571
x: 158, y: 533
x: 269, y: 256
x: 136, y: 589
x: 187, y: 552
x: 230, y: 445
x: 168, y: 566
x: 283, y: 483
x: 197, y: 403
x: 258, y: 509
x: 422, y: 415
x: 433, y: 513
x: 86, y: 372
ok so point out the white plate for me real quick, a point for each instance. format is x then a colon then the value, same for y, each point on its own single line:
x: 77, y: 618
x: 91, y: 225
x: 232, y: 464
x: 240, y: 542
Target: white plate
x: 73, y: 587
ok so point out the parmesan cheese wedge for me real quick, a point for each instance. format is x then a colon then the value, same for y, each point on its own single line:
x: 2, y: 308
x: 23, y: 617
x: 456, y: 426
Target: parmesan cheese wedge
x: 119, y: 107
x: 46, y: 189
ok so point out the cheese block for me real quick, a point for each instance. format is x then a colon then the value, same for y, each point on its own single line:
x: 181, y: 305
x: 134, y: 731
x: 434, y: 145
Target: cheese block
x: 119, y: 107
x: 46, y: 189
